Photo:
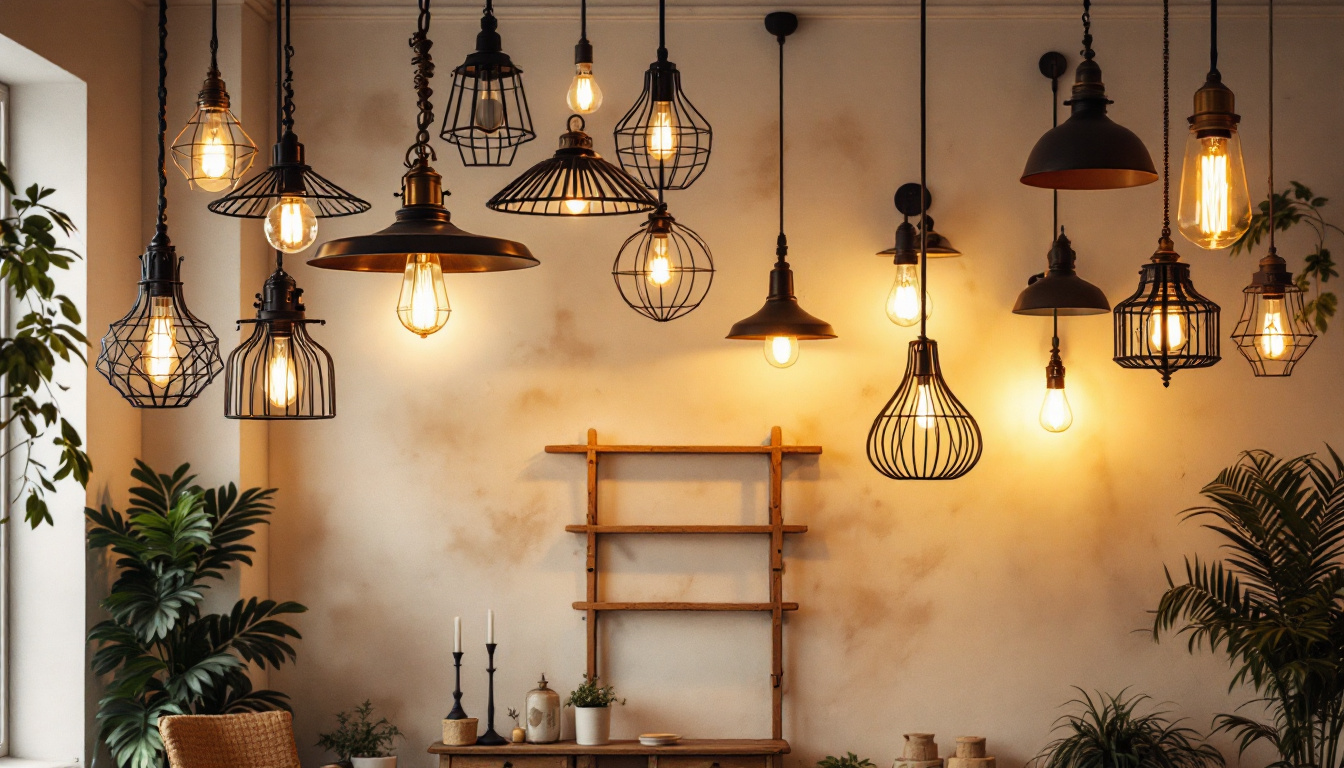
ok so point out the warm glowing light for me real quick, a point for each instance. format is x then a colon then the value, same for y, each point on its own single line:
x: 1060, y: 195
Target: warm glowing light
x: 575, y: 206
x: 1175, y: 329
x: 291, y: 225
x: 423, y: 306
x: 1215, y: 206
x: 660, y: 266
x: 584, y: 95
x: 159, y: 356
x: 925, y: 416
x: 661, y: 141
x: 1275, y: 343
x: 212, y: 154
x: 282, y: 379
x: 903, y: 300
x: 1213, y: 193
x: 488, y: 115
x: 1056, y: 415
x: 781, y: 351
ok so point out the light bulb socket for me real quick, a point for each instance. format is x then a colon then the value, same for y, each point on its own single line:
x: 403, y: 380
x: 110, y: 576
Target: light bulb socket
x: 287, y: 162
x: 213, y: 95
x: 906, y: 251
x: 1062, y: 257
x: 1272, y: 279
x: 583, y: 52
x: 1089, y: 92
x: 421, y: 187
x: 1054, y: 370
x: 660, y: 225
x: 1166, y: 251
x: 924, y: 351
x: 160, y: 267
x: 280, y: 303
x: 663, y: 79
x: 781, y: 282
x: 1215, y: 109
x: 488, y: 40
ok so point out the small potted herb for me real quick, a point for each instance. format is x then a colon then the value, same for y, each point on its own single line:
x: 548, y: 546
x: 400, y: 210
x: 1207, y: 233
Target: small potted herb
x: 361, y: 740
x: 519, y: 735
x: 592, y: 711
x: 850, y: 760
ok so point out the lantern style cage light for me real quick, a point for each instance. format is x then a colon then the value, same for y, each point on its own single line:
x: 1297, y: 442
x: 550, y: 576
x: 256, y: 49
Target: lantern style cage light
x: 584, y: 95
x: 423, y: 243
x: 487, y: 116
x: 663, y: 139
x: 664, y: 270
x: 289, y: 195
x: 160, y: 355
x: 212, y: 150
x: 904, y: 299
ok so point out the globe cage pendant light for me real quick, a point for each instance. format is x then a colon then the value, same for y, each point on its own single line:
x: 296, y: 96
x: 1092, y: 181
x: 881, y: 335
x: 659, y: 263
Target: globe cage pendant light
x: 280, y: 372
x: 924, y: 432
x: 1273, y: 333
x: 584, y: 95
x: 575, y: 181
x: 1166, y: 325
x: 423, y: 243
x: 289, y: 195
x: 904, y: 301
x: 487, y: 116
x: 212, y: 150
x: 1215, y: 206
x: 1089, y: 150
x: 782, y: 322
x: 663, y: 139
x: 664, y: 270
x: 160, y: 355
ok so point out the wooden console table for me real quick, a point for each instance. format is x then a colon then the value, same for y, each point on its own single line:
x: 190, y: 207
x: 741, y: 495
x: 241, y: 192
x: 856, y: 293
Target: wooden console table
x: 688, y: 753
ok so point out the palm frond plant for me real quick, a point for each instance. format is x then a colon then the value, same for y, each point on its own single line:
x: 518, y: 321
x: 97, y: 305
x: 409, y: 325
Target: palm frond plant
x: 1110, y: 733
x: 1273, y: 605
x: 165, y: 656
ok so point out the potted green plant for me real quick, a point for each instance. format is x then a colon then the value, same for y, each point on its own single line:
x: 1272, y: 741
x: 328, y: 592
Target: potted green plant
x: 850, y: 760
x: 592, y: 711
x: 361, y: 740
x: 1110, y: 733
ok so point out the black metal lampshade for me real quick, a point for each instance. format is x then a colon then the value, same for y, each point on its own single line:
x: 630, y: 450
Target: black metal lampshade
x: 781, y: 315
x: 924, y: 432
x: 1166, y: 325
x: 1060, y: 290
x: 575, y: 181
x: 487, y: 116
x: 1273, y: 333
x: 664, y: 270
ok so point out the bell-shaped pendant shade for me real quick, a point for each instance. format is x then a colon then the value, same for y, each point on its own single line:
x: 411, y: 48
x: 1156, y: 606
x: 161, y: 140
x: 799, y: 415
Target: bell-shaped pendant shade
x: 782, y: 315
x: 924, y: 432
x: 1060, y: 290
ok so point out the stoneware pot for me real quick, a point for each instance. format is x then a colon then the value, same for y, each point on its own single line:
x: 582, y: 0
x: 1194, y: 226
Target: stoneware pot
x: 374, y: 762
x: 592, y: 726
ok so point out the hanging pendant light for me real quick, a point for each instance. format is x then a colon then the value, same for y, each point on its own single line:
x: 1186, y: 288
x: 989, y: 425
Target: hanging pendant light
x: 423, y: 243
x: 160, y: 355
x: 663, y: 139
x: 280, y: 372
x: 781, y: 323
x: 584, y: 96
x: 289, y: 195
x: 575, y: 181
x: 487, y: 115
x: 1273, y: 333
x: 1166, y: 325
x: 212, y: 150
x: 665, y: 269
x: 924, y: 432
x: 1089, y: 150
x: 1215, y: 207
x: 904, y: 299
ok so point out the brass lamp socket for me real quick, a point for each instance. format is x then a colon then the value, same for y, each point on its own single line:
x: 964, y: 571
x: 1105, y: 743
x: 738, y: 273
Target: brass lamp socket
x: 1272, y: 279
x: 1215, y: 109
x: 575, y: 138
x: 660, y: 225
x: 422, y: 185
x: 213, y: 94
x: 1054, y: 371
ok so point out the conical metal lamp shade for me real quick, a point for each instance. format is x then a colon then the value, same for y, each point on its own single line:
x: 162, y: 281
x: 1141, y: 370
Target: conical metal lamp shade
x: 1060, y: 289
x: 781, y: 315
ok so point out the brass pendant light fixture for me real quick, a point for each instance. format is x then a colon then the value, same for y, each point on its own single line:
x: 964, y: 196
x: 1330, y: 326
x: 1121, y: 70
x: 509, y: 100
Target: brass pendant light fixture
x: 782, y: 322
x: 924, y: 432
x: 289, y: 195
x: 487, y: 116
x: 1166, y: 325
x: 212, y: 150
x: 1089, y: 150
x: 1273, y: 333
x: 160, y: 355
x: 1215, y: 207
x: 584, y: 95
x: 906, y: 299
x: 423, y: 243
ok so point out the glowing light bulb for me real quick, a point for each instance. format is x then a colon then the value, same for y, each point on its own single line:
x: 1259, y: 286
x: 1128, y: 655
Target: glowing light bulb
x: 781, y: 351
x: 661, y: 139
x: 575, y: 206
x: 659, y: 266
x: 1275, y: 343
x: 423, y: 306
x: 584, y: 95
x: 212, y: 154
x: 1215, y: 207
x: 159, y: 356
x: 291, y: 225
x: 903, y: 300
x: 282, y: 378
x: 488, y: 115
x: 925, y: 415
x: 1175, y: 329
x: 1056, y: 415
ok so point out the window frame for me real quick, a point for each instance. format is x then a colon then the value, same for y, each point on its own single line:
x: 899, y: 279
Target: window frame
x: 5, y: 109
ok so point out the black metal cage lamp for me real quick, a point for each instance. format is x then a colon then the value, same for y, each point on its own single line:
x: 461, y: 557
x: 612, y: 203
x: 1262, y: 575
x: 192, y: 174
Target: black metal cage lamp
x: 664, y: 270
x: 487, y: 116
x: 212, y: 150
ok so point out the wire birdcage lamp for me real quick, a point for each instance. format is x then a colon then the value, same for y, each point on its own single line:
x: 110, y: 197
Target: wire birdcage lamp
x: 663, y: 139
x: 160, y: 355
x: 664, y: 270
x: 279, y: 371
x: 487, y: 116
x: 212, y: 150
x: 575, y: 181
x: 924, y: 432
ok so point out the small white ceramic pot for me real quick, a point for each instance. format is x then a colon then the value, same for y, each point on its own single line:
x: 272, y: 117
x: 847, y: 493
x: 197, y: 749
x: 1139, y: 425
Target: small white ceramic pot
x: 374, y: 762
x: 592, y: 726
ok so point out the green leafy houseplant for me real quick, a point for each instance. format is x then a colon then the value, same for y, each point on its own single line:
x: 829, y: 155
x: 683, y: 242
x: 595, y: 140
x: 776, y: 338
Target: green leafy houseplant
x: 1294, y: 206
x: 48, y: 330
x: 165, y: 656
x: 1110, y: 733
x: 591, y: 694
x: 1274, y: 604
x: 850, y: 760
x: 357, y: 734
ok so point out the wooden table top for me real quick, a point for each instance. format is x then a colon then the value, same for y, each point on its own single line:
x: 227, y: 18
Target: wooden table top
x: 626, y: 747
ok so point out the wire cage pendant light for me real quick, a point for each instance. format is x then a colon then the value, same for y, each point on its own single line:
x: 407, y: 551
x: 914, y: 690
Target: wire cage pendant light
x: 212, y: 150
x: 664, y: 270
x: 487, y: 116
x: 663, y: 139
x: 160, y: 355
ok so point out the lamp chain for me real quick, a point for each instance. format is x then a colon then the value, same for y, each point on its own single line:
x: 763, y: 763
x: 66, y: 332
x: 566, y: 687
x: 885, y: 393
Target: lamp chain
x: 161, y: 227
x: 424, y: 70
x: 782, y: 244
x: 1087, y: 30
x: 289, y: 73
x: 923, y: 173
x: 214, y: 37
x: 1166, y: 120
x: 1272, y: 250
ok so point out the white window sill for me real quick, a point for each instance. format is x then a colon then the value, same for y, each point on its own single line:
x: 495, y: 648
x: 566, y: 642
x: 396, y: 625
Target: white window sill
x: 19, y: 762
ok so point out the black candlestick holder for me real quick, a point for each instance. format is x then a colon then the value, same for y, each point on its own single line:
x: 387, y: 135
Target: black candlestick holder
x: 458, y: 713
x: 490, y: 738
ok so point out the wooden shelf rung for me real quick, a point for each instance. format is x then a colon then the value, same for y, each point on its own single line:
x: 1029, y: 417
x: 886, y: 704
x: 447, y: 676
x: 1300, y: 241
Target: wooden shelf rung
x: 689, y: 449
x: 682, y: 529
x: 759, y: 607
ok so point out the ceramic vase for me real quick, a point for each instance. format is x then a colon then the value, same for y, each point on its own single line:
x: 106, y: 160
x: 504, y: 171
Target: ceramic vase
x: 592, y: 726
x: 542, y: 708
x: 920, y: 751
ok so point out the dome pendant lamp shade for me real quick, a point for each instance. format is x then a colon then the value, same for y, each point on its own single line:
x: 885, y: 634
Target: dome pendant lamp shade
x: 487, y: 116
x: 212, y: 150
x: 664, y: 270
x: 1060, y: 290
x: 1089, y: 150
x: 575, y: 181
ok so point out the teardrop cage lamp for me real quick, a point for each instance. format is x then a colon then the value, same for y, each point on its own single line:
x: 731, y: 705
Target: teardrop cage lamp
x: 1089, y: 150
x: 924, y: 432
x: 160, y: 355
x: 423, y: 243
x: 904, y: 303
x: 782, y: 322
x: 212, y: 150
x: 289, y: 195
x: 487, y: 116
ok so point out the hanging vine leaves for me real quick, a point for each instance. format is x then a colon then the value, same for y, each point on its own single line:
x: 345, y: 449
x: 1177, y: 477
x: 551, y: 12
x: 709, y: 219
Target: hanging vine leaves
x: 1291, y: 207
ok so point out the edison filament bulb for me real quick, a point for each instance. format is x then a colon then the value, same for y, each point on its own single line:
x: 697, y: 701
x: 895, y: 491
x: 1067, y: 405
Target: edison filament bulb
x: 1215, y: 206
x: 282, y: 378
x: 1056, y: 415
x: 574, y: 206
x: 212, y: 154
x: 584, y: 95
x: 661, y: 140
x: 925, y: 416
x: 903, y: 301
x: 488, y: 115
x: 1174, y: 329
x: 1275, y: 343
x: 159, y: 355
x: 423, y: 305
x: 291, y: 225
x: 660, y: 266
x: 781, y: 351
